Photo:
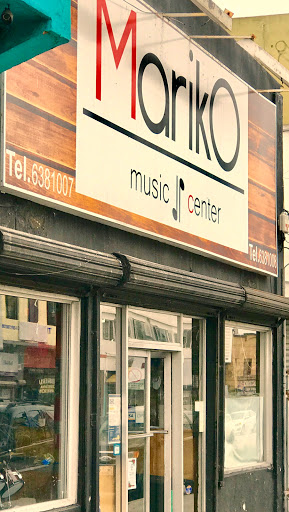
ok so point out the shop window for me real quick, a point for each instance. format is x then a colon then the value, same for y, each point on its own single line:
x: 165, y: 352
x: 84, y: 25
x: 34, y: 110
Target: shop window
x: 11, y: 304
x: 36, y: 440
x: 248, y: 397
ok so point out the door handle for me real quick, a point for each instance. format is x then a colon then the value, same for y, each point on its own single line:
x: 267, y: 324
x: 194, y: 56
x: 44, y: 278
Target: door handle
x: 159, y: 432
x: 136, y: 436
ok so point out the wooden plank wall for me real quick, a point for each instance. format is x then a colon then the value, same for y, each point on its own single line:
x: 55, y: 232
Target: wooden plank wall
x: 41, y: 144
x: 41, y: 114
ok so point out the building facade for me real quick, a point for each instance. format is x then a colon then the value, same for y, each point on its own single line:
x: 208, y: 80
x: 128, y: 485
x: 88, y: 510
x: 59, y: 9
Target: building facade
x: 271, y: 33
x: 142, y: 307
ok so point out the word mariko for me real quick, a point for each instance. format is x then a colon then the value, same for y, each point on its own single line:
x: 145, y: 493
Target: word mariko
x: 200, y: 104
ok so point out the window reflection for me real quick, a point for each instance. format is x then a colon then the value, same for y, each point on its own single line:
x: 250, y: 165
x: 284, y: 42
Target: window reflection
x: 191, y: 394
x: 109, y: 469
x: 152, y: 326
x: 33, y: 310
x: 11, y: 304
x: 136, y: 394
x: 30, y: 402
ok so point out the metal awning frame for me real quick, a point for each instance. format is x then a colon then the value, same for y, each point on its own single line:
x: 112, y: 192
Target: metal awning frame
x: 35, y: 256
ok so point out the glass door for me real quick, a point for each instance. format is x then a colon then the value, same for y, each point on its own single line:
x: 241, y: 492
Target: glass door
x: 149, y: 431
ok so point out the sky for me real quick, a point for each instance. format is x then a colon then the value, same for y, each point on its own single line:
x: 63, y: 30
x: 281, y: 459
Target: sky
x: 242, y: 8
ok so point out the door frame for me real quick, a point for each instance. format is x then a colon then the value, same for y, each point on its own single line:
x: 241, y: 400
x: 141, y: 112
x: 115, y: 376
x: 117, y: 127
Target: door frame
x: 176, y: 350
x: 166, y: 356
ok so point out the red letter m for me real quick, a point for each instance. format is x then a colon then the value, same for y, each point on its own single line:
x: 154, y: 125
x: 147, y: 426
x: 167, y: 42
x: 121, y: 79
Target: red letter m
x: 117, y: 52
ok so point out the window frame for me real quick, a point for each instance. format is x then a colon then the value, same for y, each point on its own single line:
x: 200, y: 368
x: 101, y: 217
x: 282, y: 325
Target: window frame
x: 7, y: 315
x: 266, y: 390
x: 70, y: 393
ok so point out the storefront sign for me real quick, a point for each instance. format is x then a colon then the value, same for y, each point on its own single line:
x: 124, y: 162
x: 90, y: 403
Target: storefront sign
x: 169, y: 144
x: 8, y: 364
x: 47, y: 385
x: 179, y: 134
x: 30, y: 331
x: 228, y: 344
x: 136, y: 376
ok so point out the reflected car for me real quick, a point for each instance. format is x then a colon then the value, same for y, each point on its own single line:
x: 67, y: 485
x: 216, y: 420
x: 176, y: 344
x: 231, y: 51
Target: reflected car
x: 26, y: 430
x: 28, y: 444
x: 243, y: 422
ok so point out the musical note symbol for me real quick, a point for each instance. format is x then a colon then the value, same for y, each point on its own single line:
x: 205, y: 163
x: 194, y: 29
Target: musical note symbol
x: 177, y: 210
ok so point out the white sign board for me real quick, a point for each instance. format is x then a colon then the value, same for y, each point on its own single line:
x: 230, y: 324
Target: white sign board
x: 30, y: 331
x: 228, y: 343
x: 8, y: 364
x: 162, y: 127
x: 132, y: 473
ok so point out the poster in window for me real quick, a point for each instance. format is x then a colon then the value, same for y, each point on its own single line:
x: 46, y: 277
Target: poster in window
x: 114, y: 417
x: 132, y: 473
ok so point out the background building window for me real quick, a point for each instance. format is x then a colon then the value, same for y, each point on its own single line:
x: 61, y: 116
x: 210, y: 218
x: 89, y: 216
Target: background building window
x: 248, y: 396
x: 51, y: 313
x: 33, y: 310
x: 11, y: 304
x: 152, y: 326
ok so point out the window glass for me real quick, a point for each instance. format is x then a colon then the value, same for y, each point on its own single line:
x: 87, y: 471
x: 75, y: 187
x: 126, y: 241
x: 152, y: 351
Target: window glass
x: 152, y: 326
x: 110, y: 420
x: 32, y: 408
x: 136, y: 394
x: 247, y: 395
x: 191, y: 394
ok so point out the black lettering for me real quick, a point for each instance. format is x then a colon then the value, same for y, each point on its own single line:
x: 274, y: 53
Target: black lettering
x: 167, y: 187
x: 163, y: 124
x: 136, y: 174
x: 191, y: 116
x: 147, y: 193
x: 221, y: 83
x: 176, y: 84
x: 204, y: 203
x: 199, y: 114
x: 155, y: 184
x: 214, y: 213
x: 209, y: 209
